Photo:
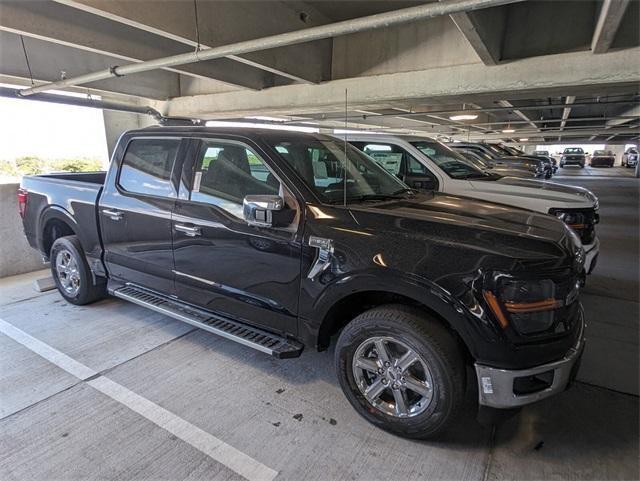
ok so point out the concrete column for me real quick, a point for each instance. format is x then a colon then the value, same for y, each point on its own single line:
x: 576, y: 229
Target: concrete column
x: 618, y: 150
x: 116, y: 123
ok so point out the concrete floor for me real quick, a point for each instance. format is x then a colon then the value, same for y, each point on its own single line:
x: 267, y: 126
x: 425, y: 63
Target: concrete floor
x: 290, y: 417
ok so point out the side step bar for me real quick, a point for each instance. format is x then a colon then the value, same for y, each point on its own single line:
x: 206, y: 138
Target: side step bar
x: 250, y: 336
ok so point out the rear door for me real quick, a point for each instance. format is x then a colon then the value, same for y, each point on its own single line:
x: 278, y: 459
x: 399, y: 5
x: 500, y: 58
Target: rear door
x: 221, y: 263
x: 135, y: 212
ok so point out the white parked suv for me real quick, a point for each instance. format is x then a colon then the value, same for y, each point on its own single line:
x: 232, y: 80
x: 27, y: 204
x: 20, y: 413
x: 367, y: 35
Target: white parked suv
x: 424, y: 163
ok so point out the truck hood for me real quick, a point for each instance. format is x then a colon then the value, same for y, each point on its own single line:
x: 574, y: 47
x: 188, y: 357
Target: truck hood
x: 471, y: 223
x: 534, y: 194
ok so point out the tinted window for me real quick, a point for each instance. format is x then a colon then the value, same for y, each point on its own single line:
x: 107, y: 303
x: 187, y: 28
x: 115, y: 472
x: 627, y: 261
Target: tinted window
x: 321, y: 163
x: 574, y: 150
x: 448, y: 160
x: 385, y: 156
x: 146, y: 167
x: 227, y: 172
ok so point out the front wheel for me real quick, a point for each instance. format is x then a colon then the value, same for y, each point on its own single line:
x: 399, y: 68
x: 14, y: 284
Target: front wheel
x: 401, y: 370
x: 72, y: 274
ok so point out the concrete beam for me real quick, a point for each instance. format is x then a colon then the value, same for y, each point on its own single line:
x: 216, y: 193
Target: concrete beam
x: 225, y: 22
x: 632, y: 112
x: 567, y: 110
x: 484, y: 30
x: 519, y: 113
x: 609, y: 21
x: 537, y: 76
x: 48, y: 60
x: 64, y: 25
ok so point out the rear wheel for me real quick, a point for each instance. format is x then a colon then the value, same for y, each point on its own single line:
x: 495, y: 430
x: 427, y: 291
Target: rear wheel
x: 401, y: 370
x: 72, y: 274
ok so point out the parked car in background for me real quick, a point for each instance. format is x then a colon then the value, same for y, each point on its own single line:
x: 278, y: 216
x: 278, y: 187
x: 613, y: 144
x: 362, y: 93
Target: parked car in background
x: 544, y: 154
x: 424, y: 163
x: 286, y: 240
x: 499, y: 157
x: 549, y: 161
x: 630, y: 157
x: 602, y: 158
x: 573, y: 156
x: 486, y: 164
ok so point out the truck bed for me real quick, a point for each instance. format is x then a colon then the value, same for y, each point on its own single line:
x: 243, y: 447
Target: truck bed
x: 68, y: 197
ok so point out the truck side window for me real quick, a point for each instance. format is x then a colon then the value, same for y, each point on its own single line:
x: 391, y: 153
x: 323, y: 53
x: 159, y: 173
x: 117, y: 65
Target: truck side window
x: 146, y: 167
x: 227, y: 172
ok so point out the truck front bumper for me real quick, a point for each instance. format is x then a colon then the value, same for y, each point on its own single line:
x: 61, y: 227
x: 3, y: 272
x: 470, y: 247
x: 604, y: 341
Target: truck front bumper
x: 504, y: 389
x: 591, y: 256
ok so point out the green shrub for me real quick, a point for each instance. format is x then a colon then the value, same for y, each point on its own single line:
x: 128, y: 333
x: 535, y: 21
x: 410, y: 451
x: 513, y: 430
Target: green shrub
x: 30, y: 165
x: 75, y: 165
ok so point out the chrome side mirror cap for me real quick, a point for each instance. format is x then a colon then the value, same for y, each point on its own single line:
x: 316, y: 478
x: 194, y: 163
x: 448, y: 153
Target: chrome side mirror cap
x: 258, y: 209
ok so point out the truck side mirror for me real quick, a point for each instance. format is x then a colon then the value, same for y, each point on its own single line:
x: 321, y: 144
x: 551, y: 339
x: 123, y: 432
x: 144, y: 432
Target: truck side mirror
x: 258, y: 209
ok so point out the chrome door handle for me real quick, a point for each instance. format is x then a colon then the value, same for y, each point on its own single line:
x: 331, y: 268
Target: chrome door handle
x: 113, y: 214
x: 188, y: 231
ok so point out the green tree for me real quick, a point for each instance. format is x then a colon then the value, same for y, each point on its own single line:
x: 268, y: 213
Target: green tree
x: 30, y: 165
x: 75, y: 165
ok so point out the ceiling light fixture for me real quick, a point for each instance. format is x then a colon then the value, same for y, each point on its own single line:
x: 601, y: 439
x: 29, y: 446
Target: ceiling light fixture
x: 508, y: 131
x: 524, y: 140
x: 463, y: 117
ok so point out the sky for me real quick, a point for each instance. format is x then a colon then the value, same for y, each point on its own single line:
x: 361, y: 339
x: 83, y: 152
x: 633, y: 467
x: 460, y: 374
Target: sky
x: 50, y: 130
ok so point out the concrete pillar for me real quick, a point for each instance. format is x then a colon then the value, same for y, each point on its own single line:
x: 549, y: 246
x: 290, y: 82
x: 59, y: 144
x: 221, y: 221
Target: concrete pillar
x: 618, y: 150
x: 116, y: 123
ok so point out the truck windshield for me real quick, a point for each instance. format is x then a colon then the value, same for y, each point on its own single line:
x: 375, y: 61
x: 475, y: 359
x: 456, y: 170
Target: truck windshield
x: 574, y: 150
x: 321, y: 164
x: 448, y: 160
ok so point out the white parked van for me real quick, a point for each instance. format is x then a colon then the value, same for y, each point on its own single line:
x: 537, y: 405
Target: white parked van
x: 424, y: 163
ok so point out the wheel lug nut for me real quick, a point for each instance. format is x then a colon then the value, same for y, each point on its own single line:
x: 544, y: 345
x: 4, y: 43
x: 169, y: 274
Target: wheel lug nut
x: 387, y: 364
x: 380, y: 371
x: 402, y: 379
x: 384, y: 381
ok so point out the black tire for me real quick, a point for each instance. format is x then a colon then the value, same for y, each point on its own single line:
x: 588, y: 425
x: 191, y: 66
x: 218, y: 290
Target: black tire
x: 561, y: 165
x: 436, y: 346
x: 582, y: 166
x: 89, y: 289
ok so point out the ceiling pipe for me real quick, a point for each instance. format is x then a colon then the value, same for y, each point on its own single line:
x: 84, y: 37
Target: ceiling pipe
x: 346, y: 27
x: 82, y: 102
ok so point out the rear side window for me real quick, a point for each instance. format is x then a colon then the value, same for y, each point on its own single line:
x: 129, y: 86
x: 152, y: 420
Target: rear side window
x: 146, y: 167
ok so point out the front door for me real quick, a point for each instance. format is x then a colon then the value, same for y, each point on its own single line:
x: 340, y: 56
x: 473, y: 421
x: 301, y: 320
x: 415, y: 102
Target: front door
x: 221, y: 263
x: 135, y: 213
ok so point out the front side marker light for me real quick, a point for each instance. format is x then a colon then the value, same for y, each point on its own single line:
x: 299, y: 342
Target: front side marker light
x: 496, y: 309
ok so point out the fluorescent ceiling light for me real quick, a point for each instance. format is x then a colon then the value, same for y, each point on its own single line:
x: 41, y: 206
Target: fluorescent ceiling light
x: 463, y: 117
x: 267, y: 119
x: 508, y: 131
x: 523, y: 140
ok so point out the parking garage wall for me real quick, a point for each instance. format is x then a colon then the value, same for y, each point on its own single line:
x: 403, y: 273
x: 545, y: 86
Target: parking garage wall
x: 16, y: 257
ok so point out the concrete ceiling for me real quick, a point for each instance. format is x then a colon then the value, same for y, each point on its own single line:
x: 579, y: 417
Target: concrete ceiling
x: 549, y: 70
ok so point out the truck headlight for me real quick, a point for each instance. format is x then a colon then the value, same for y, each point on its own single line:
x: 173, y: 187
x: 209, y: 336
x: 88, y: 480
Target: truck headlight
x: 529, y: 306
x: 576, y: 220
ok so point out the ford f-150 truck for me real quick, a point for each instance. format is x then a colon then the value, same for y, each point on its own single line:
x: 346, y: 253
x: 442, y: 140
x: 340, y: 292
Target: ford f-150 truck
x: 284, y: 240
x: 424, y: 163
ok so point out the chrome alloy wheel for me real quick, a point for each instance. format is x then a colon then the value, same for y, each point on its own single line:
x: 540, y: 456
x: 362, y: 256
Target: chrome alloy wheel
x: 68, y: 273
x: 392, y: 377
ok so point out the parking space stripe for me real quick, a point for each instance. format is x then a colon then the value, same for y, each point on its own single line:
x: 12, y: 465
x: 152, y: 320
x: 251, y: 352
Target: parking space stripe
x: 215, y: 448
x: 44, y: 350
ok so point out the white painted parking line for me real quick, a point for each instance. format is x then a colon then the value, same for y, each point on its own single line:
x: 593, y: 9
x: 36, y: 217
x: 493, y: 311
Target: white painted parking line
x: 44, y: 350
x: 206, y: 443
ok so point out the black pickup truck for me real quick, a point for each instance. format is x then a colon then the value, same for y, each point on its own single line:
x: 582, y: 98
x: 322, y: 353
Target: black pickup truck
x: 283, y: 240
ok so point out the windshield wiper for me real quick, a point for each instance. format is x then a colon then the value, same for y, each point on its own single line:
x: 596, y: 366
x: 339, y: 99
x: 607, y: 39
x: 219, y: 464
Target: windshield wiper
x: 406, y: 190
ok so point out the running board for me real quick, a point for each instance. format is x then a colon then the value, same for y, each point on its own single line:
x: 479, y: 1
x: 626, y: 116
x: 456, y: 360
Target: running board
x: 250, y: 336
